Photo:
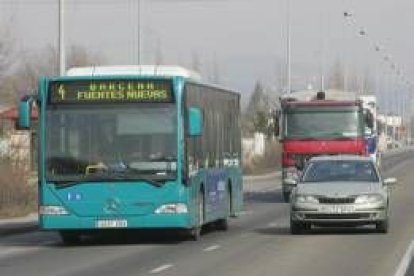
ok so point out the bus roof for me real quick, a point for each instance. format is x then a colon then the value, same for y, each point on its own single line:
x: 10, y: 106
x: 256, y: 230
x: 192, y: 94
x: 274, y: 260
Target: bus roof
x: 134, y: 70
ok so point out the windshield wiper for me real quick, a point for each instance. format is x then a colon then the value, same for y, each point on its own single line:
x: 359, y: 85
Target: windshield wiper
x: 118, y: 176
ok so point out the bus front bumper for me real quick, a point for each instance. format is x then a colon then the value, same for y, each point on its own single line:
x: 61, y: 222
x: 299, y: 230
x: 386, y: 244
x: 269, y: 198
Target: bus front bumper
x: 67, y: 222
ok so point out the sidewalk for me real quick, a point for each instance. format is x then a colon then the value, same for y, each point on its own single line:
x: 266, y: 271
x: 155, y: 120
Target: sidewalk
x: 18, y: 225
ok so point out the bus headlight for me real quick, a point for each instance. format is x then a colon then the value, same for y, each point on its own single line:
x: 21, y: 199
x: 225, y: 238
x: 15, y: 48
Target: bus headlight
x: 53, y: 210
x: 172, y: 208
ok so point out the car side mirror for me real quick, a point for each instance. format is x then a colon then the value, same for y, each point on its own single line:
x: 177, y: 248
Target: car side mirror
x: 390, y: 181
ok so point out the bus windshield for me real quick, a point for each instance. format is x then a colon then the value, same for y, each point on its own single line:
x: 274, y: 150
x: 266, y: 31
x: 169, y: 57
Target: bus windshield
x: 331, y: 124
x: 118, y: 141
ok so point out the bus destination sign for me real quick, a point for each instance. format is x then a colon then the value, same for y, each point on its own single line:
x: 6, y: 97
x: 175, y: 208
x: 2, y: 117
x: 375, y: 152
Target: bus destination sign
x: 110, y: 91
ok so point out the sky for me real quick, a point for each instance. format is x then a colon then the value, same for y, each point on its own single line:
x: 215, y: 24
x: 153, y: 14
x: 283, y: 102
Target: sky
x: 244, y: 40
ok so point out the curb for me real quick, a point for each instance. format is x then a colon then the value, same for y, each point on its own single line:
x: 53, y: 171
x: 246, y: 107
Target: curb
x: 18, y: 225
x: 18, y: 228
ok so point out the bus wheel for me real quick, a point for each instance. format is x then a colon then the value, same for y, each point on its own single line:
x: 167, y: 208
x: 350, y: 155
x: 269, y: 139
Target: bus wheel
x: 195, y: 232
x: 223, y: 224
x: 70, y: 237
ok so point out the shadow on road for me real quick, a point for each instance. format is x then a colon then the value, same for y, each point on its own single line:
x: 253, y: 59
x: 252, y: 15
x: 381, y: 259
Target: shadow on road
x: 285, y: 230
x: 274, y: 196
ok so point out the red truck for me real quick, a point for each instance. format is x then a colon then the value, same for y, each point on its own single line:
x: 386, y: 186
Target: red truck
x: 318, y: 123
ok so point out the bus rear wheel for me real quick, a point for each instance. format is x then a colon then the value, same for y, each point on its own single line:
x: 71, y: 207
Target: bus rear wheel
x: 223, y: 224
x: 195, y: 232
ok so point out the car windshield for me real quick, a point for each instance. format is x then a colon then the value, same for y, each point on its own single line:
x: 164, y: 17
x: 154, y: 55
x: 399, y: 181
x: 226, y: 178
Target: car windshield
x: 340, y: 170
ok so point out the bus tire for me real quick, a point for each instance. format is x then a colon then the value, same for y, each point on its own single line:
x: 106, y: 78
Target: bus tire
x: 195, y: 232
x: 223, y: 224
x: 69, y: 237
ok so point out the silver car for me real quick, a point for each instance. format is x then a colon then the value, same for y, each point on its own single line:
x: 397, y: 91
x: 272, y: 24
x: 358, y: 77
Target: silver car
x: 340, y: 190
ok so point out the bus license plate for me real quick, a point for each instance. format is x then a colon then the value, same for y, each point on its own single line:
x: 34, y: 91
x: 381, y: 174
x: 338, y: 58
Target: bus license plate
x: 337, y: 209
x: 112, y: 223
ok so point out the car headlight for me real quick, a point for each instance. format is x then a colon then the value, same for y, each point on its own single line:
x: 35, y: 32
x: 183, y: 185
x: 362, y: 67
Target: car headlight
x: 172, y: 208
x: 53, y: 210
x: 363, y: 199
x: 306, y: 199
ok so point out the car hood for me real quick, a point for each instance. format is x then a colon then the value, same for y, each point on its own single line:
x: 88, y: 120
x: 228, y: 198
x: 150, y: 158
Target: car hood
x: 336, y: 189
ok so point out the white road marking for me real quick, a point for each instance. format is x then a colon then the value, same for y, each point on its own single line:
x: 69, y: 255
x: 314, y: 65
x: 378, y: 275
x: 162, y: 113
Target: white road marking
x: 161, y: 268
x: 7, y: 251
x: 211, y: 248
x: 245, y: 235
x: 272, y: 224
x: 245, y: 213
x: 405, y: 261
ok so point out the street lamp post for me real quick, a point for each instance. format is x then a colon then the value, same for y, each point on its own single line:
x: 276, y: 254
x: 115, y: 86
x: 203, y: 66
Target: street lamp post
x: 288, y: 48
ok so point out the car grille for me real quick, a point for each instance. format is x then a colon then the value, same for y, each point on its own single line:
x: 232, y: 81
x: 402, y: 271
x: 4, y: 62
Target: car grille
x: 336, y: 200
x: 336, y: 217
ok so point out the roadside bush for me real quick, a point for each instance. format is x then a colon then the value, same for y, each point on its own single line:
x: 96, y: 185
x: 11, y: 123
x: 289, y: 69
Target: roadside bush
x: 17, y: 196
x: 269, y: 162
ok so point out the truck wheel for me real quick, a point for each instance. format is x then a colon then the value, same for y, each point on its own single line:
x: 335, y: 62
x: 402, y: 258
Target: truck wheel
x: 286, y: 196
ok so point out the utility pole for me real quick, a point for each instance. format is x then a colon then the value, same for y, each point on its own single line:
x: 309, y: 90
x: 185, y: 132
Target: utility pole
x: 139, y: 33
x: 62, y: 54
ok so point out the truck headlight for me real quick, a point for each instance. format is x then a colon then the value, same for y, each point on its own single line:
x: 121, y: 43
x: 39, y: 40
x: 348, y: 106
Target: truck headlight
x: 52, y: 210
x: 172, y: 208
x: 364, y: 199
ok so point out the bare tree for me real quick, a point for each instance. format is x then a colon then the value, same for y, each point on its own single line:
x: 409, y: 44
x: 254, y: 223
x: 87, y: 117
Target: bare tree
x: 336, y: 76
x: 32, y: 65
x: 79, y: 56
x: 196, y: 62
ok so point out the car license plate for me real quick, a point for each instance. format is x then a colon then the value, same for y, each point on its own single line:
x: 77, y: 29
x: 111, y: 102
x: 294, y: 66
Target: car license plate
x: 112, y: 223
x: 337, y: 209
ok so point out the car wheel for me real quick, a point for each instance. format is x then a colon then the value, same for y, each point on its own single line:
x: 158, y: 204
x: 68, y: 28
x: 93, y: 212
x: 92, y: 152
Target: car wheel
x: 382, y: 226
x: 296, y: 227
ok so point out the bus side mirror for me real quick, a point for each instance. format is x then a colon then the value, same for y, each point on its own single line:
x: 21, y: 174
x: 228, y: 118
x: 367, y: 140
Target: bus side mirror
x: 195, y: 121
x: 25, y: 112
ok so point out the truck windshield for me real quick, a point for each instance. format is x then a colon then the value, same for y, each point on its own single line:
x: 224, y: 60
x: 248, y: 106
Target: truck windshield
x: 330, y: 124
x: 110, y: 140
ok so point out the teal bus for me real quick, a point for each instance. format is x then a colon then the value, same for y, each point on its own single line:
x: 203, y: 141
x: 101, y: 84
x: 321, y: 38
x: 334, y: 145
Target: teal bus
x: 135, y: 147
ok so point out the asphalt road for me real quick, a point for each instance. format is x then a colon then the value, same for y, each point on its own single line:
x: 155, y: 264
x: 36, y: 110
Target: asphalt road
x: 257, y: 243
